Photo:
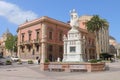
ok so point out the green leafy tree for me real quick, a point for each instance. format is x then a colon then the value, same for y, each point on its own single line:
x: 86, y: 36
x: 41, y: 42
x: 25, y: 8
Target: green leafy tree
x: 15, y: 43
x: 94, y: 25
x: 11, y: 43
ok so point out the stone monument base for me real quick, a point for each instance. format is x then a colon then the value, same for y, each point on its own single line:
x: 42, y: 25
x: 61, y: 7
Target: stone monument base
x: 73, y: 58
x: 69, y: 67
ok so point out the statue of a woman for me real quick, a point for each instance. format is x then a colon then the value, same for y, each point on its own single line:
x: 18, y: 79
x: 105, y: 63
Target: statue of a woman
x: 74, y: 19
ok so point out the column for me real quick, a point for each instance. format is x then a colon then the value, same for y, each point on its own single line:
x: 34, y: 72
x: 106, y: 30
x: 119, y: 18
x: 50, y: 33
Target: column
x: 65, y: 51
x: 44, y: 38
x: 43, y: 55
x: 88, y: 55
x: 118, y: 52
x: 25, y: 52
x: 18, y: 54
x: 43, y: 47
x: 39, y: 52
x: 34, y: 51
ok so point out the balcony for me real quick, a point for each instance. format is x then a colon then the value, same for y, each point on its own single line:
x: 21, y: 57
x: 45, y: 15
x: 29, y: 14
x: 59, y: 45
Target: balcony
x: 26, y: 42
x: 30, y: 41
x: 36, y: 41
x: 90, y: 45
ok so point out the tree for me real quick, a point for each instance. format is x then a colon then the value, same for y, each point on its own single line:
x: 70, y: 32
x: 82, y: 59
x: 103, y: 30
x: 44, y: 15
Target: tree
x: 94, y: 25
x: 106, y: 56
x: 11, y: 43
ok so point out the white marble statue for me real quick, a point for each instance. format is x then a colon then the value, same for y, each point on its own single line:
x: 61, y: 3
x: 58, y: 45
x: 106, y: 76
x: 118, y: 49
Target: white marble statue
x: 73, y: 50
x: 74, y: 19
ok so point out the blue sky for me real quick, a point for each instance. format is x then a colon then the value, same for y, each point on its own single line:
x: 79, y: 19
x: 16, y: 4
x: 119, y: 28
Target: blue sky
x: 15, y: 12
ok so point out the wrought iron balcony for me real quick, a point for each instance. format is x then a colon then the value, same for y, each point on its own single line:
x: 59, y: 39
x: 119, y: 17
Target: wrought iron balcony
x: 26, y: 42
x: 36, y: 41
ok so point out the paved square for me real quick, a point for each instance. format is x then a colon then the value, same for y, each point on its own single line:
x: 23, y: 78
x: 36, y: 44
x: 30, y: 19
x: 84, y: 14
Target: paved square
x: 32, y: 72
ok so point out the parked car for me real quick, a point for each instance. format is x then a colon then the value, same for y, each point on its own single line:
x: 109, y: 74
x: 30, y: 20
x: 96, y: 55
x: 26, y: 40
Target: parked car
x: 1, y: 55
x: 1, y: 63
x: 14, y: 58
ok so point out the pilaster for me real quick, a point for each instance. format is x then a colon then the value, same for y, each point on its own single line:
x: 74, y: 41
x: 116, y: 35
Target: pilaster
x: 43, y: 45
x: 18, y: 54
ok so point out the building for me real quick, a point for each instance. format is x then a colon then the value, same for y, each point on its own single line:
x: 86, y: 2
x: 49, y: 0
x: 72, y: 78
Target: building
x: 103, y: 34
x: 43, y: 37
x: 114, y: 46
x: 112, y: 41
x: 117, y: 47
x: 2, y: 43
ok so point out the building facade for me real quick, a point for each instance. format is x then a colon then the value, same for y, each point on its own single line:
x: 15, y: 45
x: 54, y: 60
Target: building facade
x: 103, y: 34
x: 43, y: 37
x: 2, y: 43
x: 40, y: 37
x: 114, y: 46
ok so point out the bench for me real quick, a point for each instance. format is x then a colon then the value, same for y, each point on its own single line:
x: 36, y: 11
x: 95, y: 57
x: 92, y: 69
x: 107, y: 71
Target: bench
x: 77, y: 68
x: 54, y: 67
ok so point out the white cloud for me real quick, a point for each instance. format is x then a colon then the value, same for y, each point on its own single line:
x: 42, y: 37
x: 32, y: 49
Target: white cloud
x: 14, y: 14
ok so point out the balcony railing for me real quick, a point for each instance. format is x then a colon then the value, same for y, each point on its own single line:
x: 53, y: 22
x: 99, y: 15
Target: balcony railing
x: 90, y: 45
x: 36, y: 41
x: 30, y: 41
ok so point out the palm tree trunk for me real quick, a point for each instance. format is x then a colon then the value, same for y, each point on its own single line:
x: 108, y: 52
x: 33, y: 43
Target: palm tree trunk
x: 97, y: 44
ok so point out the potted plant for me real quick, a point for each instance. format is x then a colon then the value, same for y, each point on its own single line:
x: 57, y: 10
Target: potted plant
x: 19, y: 62
x: 93, y: 61
x: 8, y: 62
x: 30, y: 62
x: 46, y: 60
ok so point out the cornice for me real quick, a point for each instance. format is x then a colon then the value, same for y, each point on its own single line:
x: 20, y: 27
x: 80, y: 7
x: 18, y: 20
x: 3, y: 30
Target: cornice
x: 41, y: 20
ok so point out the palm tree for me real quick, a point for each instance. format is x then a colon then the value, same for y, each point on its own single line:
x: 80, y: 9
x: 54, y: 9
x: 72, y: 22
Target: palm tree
x: 94, y: 25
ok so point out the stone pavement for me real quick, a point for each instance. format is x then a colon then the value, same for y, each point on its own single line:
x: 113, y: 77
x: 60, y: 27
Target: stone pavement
x: 32, y: 72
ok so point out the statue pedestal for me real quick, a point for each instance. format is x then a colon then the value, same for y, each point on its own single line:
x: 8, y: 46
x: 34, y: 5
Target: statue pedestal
x: 73, y: 58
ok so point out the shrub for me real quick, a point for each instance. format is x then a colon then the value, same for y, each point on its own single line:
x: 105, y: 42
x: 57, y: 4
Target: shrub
x: 93, y: 61
x: 99, y: 60
x: 30, y: 62
x: 19, y: 61
x: 118, y: 57
x: 8, y: 62
x: 46, y: 60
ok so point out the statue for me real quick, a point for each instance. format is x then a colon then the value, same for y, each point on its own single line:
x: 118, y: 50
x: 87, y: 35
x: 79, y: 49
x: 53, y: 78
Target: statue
x: 74, y: 19
x: 58, y: 59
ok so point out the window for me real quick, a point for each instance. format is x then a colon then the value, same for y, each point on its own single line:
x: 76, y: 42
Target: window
x: 60, y: 36
x: 33, y: 52
x: 50, y: 48
x: 37, y: 48
x: 38, y: 34
x: 22, y: 49
x: 73, y: 49
x: 22, y: 37
x: 83, y: 23
x: 60, y: 49
x: 50, y: 35
x: 29, y: 48
x: 29, y: 36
